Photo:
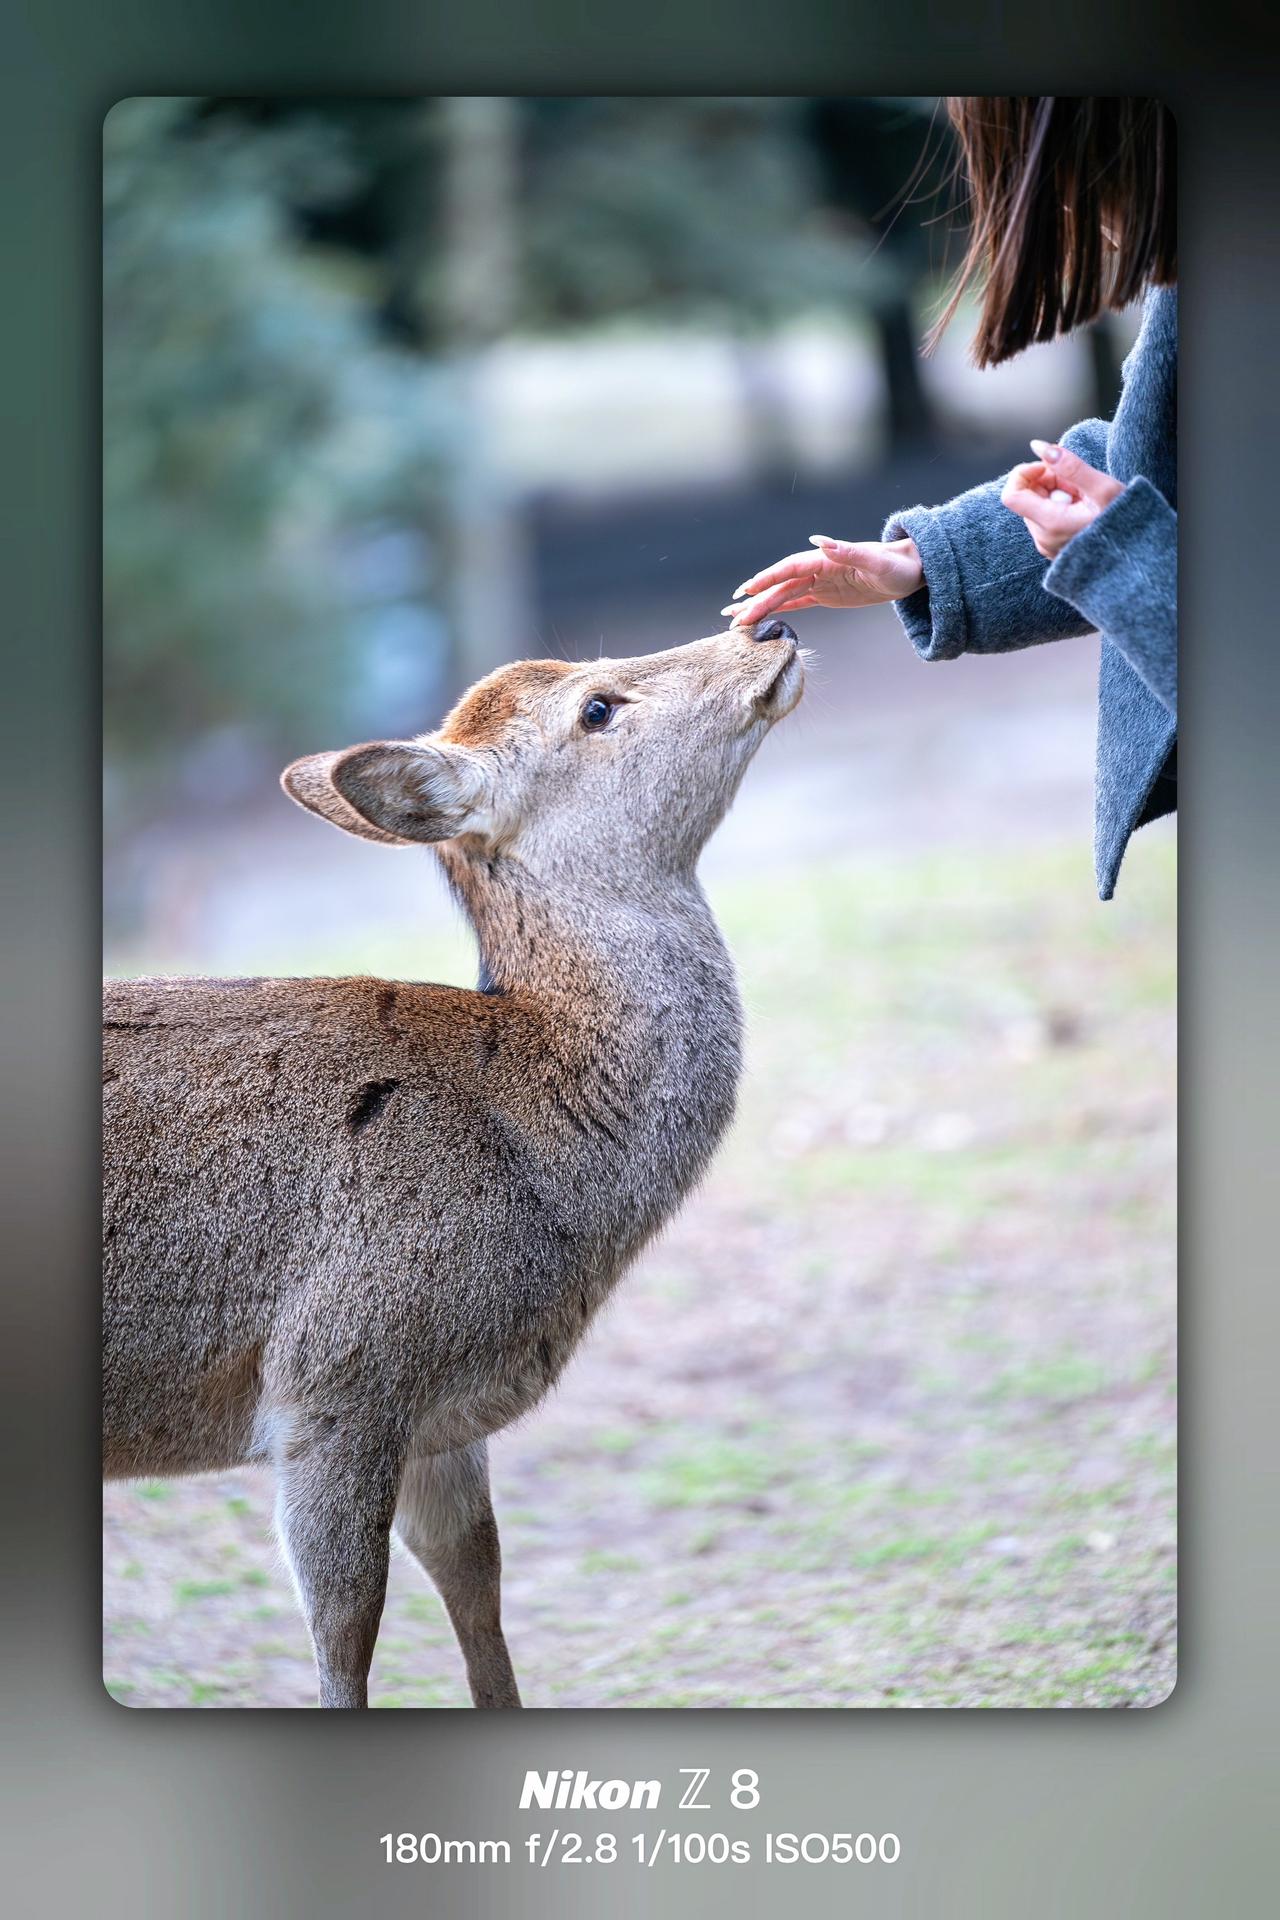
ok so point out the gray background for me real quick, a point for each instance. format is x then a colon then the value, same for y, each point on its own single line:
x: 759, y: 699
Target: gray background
x: 1161, y: 1812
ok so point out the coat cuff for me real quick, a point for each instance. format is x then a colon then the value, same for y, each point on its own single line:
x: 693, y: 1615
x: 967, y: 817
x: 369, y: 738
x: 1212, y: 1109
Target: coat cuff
x: 1120, y: 572
x: 934, y: 616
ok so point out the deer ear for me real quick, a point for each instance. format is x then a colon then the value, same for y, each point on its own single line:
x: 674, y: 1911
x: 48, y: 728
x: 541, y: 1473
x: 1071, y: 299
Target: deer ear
x: 393, y: 791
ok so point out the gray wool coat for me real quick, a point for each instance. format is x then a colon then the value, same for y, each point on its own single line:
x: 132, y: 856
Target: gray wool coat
x: 987, y: 590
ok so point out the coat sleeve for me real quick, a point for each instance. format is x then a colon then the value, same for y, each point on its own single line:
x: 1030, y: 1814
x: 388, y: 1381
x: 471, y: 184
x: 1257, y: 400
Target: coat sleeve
x: 984, y: 582
x: 1121, y: 574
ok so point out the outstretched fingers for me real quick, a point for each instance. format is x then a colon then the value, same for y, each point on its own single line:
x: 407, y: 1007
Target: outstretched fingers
x: 793, y: 567
x: 785, y: 598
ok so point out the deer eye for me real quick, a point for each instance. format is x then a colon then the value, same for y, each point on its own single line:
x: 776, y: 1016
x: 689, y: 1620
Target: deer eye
x: 597, y: 713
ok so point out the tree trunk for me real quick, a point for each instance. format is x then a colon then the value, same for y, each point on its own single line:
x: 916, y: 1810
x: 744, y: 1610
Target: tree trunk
x: 489, y: 574
x: 910, y: 418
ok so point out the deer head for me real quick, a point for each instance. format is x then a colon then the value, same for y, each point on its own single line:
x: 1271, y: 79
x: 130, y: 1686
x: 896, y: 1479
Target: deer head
x: 609, y: 771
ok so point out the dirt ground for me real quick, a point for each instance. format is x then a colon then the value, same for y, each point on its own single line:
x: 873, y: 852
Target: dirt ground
x: 886, y: 1418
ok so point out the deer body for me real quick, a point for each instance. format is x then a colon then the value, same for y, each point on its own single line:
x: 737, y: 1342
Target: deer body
x: 355, y: 1226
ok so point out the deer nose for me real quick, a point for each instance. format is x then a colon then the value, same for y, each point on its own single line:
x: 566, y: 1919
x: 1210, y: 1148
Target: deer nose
x: 775, y: 630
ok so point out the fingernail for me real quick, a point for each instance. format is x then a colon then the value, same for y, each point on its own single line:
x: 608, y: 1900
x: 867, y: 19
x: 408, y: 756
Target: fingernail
x: 822, y: 540
x: 729, y: 610
x: 1061, y: 496
x: 1047, y: 450
x: 739, y: 591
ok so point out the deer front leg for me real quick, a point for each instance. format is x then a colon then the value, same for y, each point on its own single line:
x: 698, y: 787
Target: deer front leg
x: 445, y: 1519
x: 335, y: 1498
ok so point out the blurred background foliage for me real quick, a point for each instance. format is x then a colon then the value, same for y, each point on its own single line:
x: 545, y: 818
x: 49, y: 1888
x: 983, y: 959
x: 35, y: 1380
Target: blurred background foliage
x: 260, y: 432
x: 291, y: 295
x: 397, y: 389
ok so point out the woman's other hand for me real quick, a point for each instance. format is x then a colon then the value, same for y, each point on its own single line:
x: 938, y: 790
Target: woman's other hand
x: 1057, y: 495
x: 830, y: 573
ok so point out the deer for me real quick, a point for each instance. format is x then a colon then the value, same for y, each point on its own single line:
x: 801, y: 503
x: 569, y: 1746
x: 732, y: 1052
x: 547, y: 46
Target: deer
x: 355, y: 1227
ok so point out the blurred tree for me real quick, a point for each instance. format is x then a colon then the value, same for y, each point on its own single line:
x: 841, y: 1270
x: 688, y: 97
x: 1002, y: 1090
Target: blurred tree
x: 740, y: 214
x: 433, y: 216
x: 264, y: 448
x: 702, y: 210
x: 475, y: 277
x: 693, y: 212
x: 299, y: 502
x: 886, y: 163
x: 389, y: 213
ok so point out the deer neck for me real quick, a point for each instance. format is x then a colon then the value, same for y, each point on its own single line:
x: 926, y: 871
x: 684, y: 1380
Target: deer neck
x: 633, y: 993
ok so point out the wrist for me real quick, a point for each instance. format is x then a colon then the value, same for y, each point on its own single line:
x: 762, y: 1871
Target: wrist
x: 910, y: 554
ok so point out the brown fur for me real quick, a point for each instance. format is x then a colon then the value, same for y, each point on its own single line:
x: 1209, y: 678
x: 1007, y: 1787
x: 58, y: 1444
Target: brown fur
x: 353, y: 1227
x: 482, y: 716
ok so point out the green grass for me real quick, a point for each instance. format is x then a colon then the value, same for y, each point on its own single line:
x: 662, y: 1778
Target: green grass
x: 186, y: 1591
x: 718, y: 1473
x: 598, y: 1561
x: 1066, y: 1376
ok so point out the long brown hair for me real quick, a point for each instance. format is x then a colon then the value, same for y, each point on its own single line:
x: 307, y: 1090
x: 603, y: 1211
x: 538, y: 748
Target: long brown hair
x: 1046, y: 176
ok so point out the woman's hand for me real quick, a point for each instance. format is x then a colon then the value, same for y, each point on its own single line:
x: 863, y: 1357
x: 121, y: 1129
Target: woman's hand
x: 832, y: 573
x: 1057, y: 495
